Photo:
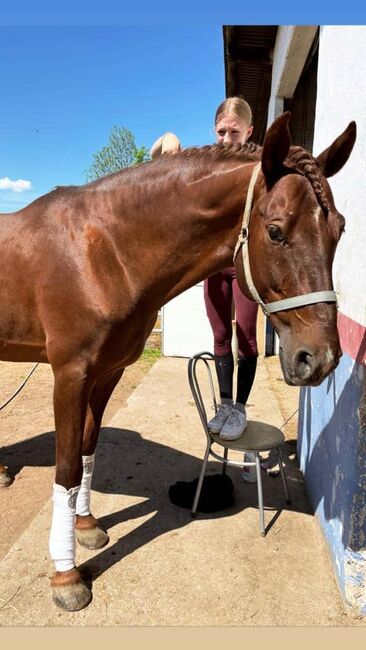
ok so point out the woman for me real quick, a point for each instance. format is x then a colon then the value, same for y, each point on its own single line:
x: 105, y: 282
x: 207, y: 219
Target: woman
x: 233, y: 125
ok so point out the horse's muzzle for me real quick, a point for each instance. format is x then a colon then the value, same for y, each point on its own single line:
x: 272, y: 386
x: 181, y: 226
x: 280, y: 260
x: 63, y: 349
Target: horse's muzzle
x: 308, y: 366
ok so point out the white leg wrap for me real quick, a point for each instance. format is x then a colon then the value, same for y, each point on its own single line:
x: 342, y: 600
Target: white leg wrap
x: 83, y: 499
x: 62, y: 535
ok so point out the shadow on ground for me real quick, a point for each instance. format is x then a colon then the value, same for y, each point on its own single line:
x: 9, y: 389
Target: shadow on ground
x: 130, y: 465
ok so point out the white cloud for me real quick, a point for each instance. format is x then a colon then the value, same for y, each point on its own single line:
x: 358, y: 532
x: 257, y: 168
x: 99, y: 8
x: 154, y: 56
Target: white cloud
x: 15, y: 186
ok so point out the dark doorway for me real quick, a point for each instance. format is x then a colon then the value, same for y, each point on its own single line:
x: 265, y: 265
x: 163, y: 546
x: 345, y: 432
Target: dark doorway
x: 302, y: 104
x: 302, y: 107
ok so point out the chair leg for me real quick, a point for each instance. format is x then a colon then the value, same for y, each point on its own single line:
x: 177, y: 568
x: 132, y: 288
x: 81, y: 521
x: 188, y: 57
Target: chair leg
x: 224, y: 465
x: 200, y: 481
x: 260, y: 495
x: 283, y: 476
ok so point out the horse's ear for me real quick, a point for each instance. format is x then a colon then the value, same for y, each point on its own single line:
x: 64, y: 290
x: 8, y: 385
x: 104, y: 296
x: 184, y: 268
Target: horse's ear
x: 275, y: 149
x: 332, y: 159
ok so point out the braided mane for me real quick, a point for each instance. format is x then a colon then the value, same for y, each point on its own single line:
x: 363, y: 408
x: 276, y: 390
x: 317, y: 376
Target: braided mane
x: 246, y: 152
x: 298, y: 160
x: 303, y: 162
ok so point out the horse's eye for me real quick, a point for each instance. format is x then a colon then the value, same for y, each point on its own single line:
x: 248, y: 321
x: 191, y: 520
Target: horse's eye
x: 275, y: 234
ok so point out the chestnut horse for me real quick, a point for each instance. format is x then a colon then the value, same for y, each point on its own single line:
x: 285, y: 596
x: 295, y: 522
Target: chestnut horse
x: 85, y: 269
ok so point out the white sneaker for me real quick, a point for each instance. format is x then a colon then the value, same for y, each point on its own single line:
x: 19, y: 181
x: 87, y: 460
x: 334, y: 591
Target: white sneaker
x: 215, y: 425
x: 235, y: 425
x: 249, y: 474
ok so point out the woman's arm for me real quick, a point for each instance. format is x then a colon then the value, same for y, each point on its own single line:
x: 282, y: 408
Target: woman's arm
x: 167, y: 143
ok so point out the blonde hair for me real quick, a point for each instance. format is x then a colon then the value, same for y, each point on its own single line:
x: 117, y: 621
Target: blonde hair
x: 236, y: 106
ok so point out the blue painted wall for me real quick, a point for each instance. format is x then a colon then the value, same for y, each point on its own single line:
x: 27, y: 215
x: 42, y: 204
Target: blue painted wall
x: 332, y: 453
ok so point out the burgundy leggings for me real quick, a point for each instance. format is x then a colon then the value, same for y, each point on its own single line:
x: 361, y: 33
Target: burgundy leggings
x: 219, y: 290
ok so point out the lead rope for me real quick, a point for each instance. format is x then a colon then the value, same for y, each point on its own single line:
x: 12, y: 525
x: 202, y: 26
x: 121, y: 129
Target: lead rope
x: 288, y: 419
x: 19, y: 388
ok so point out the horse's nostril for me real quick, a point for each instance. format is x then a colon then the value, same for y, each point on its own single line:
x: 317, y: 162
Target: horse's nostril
x: 303, y: 356
x: 303, y: 362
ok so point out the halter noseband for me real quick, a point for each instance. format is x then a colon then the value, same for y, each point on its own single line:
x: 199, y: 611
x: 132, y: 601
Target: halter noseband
x: 278, y: 305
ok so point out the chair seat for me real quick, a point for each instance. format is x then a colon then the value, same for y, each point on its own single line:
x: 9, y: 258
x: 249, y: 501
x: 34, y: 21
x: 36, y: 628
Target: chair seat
x: 258, y: 436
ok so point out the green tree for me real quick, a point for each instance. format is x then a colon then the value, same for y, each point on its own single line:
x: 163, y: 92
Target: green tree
x: 120, y: 152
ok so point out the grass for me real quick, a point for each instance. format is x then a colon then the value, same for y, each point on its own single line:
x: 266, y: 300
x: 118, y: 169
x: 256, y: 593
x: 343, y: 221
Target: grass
x: 151, y: 353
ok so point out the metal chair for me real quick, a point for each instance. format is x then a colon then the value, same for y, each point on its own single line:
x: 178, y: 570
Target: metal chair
x: 258, y: 437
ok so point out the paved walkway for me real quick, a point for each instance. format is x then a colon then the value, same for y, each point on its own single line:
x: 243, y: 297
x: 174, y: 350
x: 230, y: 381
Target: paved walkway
x: 161, y: 568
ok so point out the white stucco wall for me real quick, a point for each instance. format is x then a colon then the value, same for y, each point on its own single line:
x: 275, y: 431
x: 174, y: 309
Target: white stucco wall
x: 332, y: 422
x: 341, y: 97
x: 186, y: 328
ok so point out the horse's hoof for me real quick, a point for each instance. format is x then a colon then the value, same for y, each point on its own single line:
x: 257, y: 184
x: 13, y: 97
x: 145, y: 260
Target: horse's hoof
x: 5, y: 479
x: 69, y: 592
x: 92, y: 538
x: 72, y: 598
x: 89, y: 534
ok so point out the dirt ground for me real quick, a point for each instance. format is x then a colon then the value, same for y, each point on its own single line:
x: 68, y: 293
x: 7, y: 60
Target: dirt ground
x: 30, y: 417
x: 30, y: 414
x: 287, y: 397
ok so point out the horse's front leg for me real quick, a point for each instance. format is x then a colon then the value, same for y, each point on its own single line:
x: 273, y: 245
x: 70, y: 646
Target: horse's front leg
x: 71, y: 392
x: 88, y: 531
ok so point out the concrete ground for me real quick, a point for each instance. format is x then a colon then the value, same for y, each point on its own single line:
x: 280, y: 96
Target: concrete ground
x: 161, y: 568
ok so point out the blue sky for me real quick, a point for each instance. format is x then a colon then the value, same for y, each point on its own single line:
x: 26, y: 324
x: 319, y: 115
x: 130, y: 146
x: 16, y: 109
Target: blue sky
x: 64, y: 88
x: 71, y: 70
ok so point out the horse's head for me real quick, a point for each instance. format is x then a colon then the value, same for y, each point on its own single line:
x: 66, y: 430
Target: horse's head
x: 294, y: 231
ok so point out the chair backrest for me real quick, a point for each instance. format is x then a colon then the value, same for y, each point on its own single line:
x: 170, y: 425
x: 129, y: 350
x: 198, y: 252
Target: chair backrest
x: 205, y: 358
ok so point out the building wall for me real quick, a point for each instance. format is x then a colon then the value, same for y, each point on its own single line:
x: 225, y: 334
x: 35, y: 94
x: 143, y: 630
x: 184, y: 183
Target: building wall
x: 332, y: 423
x: 186, y: 328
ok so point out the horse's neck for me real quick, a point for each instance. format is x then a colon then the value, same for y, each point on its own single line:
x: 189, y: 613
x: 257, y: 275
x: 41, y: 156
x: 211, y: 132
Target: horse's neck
x: 198, y: 232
